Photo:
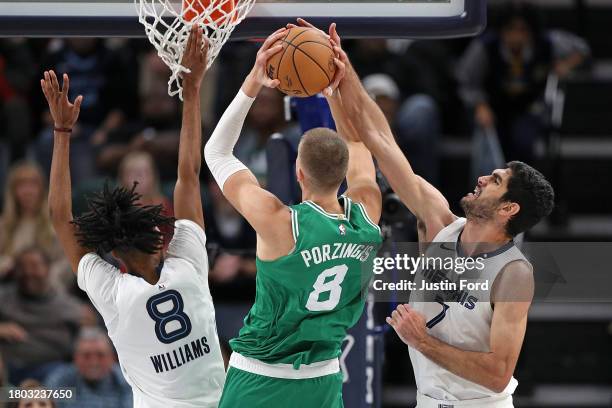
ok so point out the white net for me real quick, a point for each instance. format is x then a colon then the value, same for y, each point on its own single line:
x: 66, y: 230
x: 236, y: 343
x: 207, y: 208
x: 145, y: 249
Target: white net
x: 168, y: 23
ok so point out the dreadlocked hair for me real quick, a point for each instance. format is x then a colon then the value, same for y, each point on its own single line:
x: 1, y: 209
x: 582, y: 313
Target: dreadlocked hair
x: 115, y: 221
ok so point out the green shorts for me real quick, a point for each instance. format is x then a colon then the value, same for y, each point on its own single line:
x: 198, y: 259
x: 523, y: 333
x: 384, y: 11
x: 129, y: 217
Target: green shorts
x: 244, y: 389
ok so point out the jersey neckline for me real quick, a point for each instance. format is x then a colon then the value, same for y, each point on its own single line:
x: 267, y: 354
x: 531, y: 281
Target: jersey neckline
x: 459, y: 249
x: 342, y: 217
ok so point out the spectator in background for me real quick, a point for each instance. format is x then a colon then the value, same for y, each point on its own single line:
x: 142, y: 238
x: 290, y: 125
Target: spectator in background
x: 504, y: 74
x: 2, y: 373
x: 31, y: 384
x: 17, y: 69
x: 3, y: 379
x: 156, y: 130
x: 138, y: 167
x: 107, y: 81
x: 418, y: 68
x: 233, y: 242
x: 415, y: 122
x: 38, y: 324
x: 266, y: 118
x: 25, y: 223
x: 94, y: 374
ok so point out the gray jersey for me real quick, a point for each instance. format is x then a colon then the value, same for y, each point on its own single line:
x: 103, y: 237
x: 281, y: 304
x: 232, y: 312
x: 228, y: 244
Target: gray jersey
x: 462, y: 319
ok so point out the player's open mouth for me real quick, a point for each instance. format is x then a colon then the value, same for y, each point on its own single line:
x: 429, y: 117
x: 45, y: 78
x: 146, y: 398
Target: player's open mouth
x: 476, y: 193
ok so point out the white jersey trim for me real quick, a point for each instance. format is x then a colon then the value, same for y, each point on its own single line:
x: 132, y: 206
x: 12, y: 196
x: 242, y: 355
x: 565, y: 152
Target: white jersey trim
x: 285, y: 371
x: 294, y: 225
x: 347, y: 207
x: 497, y: 401
x: 367, y: 217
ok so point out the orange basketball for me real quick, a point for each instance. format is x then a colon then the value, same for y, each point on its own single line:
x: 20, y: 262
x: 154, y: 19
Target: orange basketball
x: 223, y: 9
x: 305, y: 66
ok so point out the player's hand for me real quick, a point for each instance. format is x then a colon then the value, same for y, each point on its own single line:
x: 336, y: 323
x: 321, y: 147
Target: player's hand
x: 195, y: 58
x: 341, y: 59
x: 409, y: 325
x: 303, y: 23
x: 259, y: 77
x: 12, y: 332
x: 64, y: 113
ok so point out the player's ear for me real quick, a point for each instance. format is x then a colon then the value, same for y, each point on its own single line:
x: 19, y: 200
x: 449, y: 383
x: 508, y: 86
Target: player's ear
x: 509, y: 209
x: 299, y: 173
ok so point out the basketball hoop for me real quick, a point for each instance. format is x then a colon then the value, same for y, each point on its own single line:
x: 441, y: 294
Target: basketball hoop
x: 168, y: 23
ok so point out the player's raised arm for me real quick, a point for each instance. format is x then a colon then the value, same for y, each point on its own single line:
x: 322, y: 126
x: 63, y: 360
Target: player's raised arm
x: 65, y: 115
x: 512, y: 294
x: 427, y: 203
x: 237, y: 182
x: 187, y: 198
x: 361, y: 173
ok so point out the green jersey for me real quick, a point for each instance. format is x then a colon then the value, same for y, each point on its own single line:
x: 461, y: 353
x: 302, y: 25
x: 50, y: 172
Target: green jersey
x: 307, y: 300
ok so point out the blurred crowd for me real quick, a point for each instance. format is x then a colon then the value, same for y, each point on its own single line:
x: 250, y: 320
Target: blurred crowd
x: 490, y: 88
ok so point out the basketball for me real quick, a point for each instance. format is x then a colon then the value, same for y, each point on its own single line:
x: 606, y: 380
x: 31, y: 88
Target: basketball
x: 222, y: 8
x: 305, y: 66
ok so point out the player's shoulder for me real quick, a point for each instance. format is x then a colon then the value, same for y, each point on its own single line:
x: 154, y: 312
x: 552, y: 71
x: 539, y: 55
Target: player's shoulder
x: 514, y: 283
x: 184, y: 223
x: 92, y: 260
x: 518, y: 270
x: 442, y: 228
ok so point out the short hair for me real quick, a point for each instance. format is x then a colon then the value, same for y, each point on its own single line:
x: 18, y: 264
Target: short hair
x: 324, y: 157
x: 528, y: 188
x: 93, y: 334
x: 30, y: 384
x: 521, y: 10
x: 115, y: 221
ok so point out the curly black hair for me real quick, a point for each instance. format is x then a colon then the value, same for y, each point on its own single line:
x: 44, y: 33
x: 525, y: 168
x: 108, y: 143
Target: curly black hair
x: 115, y: 221
x: 530, y: 189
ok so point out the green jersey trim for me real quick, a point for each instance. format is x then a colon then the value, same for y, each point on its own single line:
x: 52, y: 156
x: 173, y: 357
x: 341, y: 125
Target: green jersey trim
x: 367, y: 217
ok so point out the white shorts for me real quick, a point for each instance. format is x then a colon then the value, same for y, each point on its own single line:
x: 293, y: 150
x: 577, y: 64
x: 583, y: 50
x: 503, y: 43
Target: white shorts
x: 504, y: 401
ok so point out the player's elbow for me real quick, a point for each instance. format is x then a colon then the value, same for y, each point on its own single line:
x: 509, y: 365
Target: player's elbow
x: 499, y: 378
x: 498, y: 385
x: 210, y: 156
x: 189, y: 172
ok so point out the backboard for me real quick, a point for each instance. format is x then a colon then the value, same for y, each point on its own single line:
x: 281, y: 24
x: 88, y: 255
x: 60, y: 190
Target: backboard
x: 371, y: 18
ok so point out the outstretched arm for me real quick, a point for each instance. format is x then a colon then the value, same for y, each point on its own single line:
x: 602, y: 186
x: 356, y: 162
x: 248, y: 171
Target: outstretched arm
x: 187, y: 198
x: 65, y: 115
x: 237, y: 182
x: 363, y: 113
x: 361, y: 174
x: 492, y: 369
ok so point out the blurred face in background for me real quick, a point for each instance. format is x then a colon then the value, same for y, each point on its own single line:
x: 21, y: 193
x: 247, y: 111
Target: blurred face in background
x: 138, y: 167
x: 157, y: 108
x: 94, y: 359
x: 388, y: 105
x: 267, y: 111
x: 28, y: 188
x: 32, y: 273
x: 35, y: 403
x: 517, y: 35
x: 83, y: 46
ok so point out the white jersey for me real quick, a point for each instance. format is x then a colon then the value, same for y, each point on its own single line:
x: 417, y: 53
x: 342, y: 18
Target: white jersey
x: 165, y: 334
x: 463, y: 322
